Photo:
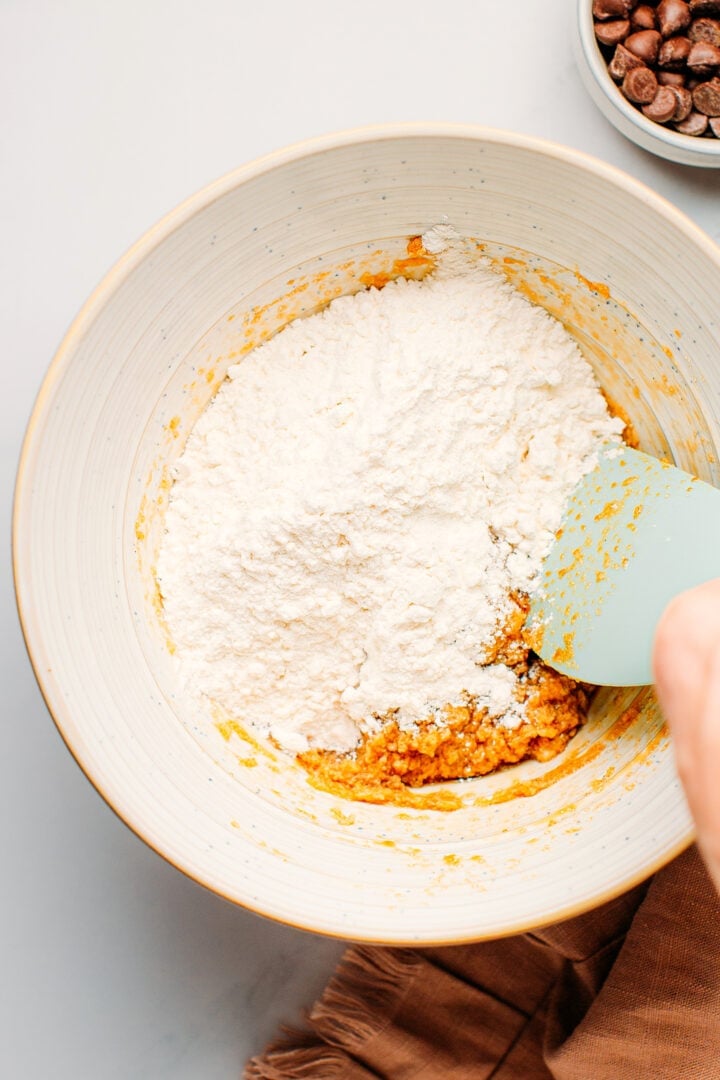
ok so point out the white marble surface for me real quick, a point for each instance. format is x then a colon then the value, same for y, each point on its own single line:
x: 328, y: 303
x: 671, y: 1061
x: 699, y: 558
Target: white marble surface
x: 114, y: 966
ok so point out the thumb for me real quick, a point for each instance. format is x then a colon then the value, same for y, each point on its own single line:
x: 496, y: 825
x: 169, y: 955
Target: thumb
x: 686, y: 665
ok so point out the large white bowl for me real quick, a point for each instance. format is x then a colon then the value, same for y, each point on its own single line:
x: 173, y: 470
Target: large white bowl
x: 636, y: 283
x: 622, y: 114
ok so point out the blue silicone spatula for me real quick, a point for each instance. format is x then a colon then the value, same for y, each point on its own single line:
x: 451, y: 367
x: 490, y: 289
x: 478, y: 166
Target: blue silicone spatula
x: 635, y: 533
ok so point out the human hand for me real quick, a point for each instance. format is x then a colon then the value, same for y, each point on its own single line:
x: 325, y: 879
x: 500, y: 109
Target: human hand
x: 686, y: 665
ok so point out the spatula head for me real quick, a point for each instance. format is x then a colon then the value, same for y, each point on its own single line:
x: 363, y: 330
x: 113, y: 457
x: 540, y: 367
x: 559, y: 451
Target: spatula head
x: 636, y: 532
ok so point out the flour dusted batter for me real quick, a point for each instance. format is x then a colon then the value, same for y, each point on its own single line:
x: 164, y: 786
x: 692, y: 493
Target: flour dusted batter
x: 357, y: 512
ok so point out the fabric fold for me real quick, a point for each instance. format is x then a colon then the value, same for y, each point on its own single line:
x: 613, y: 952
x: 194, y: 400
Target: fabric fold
x: 626, y: 992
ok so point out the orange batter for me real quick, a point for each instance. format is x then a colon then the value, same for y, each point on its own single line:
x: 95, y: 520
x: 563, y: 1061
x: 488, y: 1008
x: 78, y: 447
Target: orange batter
x: 465, y: 742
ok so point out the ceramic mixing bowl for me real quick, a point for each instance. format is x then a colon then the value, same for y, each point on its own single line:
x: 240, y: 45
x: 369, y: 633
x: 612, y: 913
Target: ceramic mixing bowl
x: 631, y: 278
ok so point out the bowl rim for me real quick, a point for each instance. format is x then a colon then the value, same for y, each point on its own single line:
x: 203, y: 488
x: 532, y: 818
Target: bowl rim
x: 109, y: 284
x: 707, y: 150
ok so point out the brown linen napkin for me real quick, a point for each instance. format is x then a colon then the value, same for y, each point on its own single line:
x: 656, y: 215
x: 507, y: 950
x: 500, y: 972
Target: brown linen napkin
x: 630, y: 990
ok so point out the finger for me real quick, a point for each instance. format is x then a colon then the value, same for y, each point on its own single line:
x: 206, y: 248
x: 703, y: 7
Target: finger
x: 686, y: 663
x: 704, y: 786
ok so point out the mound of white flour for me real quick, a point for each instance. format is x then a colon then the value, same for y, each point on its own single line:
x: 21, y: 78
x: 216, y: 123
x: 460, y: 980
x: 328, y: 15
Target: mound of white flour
x: 354, y: 508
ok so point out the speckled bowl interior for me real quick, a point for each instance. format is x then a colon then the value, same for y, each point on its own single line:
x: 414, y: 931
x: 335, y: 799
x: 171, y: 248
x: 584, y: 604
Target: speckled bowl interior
x: 636, y: 284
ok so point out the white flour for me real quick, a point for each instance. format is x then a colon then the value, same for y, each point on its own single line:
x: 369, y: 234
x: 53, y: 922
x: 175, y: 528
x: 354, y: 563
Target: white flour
x: 352, y: 511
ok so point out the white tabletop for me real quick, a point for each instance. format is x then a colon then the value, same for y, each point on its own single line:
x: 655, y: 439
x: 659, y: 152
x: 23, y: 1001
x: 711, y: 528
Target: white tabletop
x: 114, y: 965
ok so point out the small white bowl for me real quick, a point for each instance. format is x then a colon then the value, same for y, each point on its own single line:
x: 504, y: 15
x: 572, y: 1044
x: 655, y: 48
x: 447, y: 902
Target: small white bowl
x: 632, y: 279
x: 658, y: 139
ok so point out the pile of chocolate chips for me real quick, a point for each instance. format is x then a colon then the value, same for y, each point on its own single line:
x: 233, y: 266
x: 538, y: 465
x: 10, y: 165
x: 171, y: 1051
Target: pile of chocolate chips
x: 666, y: 58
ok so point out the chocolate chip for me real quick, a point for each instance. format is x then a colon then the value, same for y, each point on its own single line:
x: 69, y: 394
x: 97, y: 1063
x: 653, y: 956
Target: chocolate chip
x: 622, y: 62
x: 706, y: 97
x: 645, y: 44
x: 705, y: 7
x: 705, y: 30
x: 696, y: 124
x: 612, y: 32
x: 662, y: 107
x: 611, y: 9
x: 640, y: 85
x: 703, y: 55
x: 674, y: 52
x: 643, y: 18
x: 673, y: 16
x: 684, y: 103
